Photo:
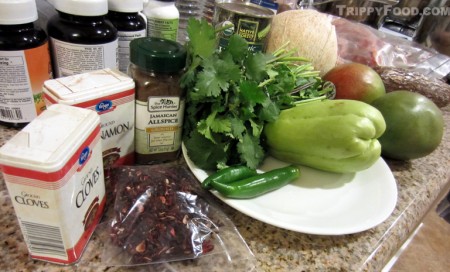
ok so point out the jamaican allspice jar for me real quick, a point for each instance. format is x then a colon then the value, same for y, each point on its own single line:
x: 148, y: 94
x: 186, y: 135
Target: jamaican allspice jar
x: 156, y: 67
x: 24, y: 63
x: 82, y: 39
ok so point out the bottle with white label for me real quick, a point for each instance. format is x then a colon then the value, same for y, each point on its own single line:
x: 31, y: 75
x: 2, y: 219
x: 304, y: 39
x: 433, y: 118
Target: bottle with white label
x: 24, y: 63
x: 82, y: 39
x: 130, y: 24
x: 163, y: 19
x: 156, y: 67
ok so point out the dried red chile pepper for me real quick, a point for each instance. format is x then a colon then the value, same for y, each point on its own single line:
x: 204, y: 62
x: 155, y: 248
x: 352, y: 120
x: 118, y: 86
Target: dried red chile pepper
x: 160, y: 213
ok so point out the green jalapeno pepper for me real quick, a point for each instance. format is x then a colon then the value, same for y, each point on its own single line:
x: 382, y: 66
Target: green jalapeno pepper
x: 229, y: 174
x: 259, y: 184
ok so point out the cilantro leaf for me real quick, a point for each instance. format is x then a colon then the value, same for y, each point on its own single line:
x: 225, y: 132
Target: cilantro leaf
x: 189, y: 77
x: 202, y: 38
x: 251, y: 94
x: 237, y: 128
x: 207, y: 84
x: 246, y: 113
x: 257, y: 127
x: 221, y: 125
x: 250, y: 151
x: 237, y: 47
x: 269, y: 111
x: 204, y: 129
x: 203, y: 152
x: 216, y: 76
x: 256, y: 66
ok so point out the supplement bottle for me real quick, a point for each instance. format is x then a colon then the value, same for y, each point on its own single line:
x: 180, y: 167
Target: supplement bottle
x: 24, y: 63
x: 163, y: 19
x: 130, y: 25
x: 82, y: 39
x: 156, y: 67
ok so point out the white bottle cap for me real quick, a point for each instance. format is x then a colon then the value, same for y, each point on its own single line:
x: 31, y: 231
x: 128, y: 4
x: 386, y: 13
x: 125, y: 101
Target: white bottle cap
x: 126, y: 6
x: 17, y: 12
x: 82, y: 7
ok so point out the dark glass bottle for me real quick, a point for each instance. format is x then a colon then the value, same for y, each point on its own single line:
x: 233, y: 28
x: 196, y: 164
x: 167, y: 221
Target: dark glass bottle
x: 21, y: 37
x: 24, y: 61
x: 82, y: 39
x: 130, y: 25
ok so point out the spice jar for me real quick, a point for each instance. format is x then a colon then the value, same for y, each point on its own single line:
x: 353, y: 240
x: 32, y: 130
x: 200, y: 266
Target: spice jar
x: 156, y: 67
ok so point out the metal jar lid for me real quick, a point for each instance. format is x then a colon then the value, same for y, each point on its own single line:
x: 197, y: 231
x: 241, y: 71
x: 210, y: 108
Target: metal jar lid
x: 158, y: 55
x: 245, y: 8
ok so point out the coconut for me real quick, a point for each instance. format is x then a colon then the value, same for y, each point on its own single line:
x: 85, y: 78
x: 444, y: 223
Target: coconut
x: 310, y: 33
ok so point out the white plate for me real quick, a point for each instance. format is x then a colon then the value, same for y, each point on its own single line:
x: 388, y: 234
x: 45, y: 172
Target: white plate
x: 320, y: 202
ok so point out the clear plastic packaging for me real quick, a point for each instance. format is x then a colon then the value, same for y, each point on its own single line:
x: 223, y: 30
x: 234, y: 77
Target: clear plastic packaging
x: 192, y: 9
x: 358, y: 42
x: 161, y: 215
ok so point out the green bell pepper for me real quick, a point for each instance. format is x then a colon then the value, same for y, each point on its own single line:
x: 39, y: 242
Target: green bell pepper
x: 332, y: 135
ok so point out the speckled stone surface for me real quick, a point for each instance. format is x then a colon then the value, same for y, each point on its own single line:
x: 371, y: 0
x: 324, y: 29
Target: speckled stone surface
x: 419, y: 184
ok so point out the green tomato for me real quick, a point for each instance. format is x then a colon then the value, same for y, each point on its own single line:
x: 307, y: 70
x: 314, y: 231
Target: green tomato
x: 414, y: 125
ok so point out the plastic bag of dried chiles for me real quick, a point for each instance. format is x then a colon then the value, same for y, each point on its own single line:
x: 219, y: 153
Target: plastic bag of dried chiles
x: 162, y: 220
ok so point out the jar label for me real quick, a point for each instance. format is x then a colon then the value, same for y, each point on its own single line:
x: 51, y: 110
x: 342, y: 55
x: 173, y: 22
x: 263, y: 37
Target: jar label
x: 163, y: 28
x: 71, y: 59
x: 125, y: 37
x: 251, y: 22
x: 159, y: 124
x: 22, y: 74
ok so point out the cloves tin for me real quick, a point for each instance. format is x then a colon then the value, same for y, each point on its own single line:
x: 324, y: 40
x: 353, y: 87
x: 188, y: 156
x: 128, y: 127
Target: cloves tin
x: 250, y: 21
x: 111, y: 94
x: 53, y: 171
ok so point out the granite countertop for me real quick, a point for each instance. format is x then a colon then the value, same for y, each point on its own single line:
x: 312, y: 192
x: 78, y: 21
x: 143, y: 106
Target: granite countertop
x: 419, y: 184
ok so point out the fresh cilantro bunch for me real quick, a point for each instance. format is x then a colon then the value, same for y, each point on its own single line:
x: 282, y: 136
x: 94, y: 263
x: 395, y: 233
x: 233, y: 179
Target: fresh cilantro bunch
x: 232, y: 94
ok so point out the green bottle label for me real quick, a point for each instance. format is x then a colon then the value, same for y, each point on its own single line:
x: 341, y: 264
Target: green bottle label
x: 162, y: 28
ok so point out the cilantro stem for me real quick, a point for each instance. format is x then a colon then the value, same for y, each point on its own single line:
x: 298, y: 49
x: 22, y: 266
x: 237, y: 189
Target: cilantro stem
x: 287, y: 58
x: 217, y: 30
x: 265, y: 82
x: 280, y: 50
x: 308, y: 74
x: 301, y: 68
x: 295, y: 59
x: 282, y: 54
x: 298, y: 102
